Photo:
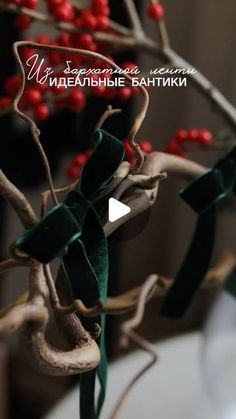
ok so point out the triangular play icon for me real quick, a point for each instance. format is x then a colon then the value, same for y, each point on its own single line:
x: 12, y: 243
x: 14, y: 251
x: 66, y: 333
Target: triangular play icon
x: 117, y: 210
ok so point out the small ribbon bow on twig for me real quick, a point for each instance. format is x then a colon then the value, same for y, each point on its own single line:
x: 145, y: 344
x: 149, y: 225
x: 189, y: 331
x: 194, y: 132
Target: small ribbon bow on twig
x: 75, y: 224
x: 202, y: 195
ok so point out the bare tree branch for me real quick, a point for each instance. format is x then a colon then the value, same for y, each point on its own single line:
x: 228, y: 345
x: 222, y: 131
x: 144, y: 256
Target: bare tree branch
x: 18, y: 201
x: 128, y: 334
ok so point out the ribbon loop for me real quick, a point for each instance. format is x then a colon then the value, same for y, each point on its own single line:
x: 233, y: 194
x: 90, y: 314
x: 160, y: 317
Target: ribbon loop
x: 201, y: 195
x: 47, y: 239
x: 100, y: 167
x: 204, y: 191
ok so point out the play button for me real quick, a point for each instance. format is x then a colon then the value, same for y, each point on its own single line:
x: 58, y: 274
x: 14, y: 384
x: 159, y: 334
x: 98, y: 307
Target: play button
x: 117, y: 210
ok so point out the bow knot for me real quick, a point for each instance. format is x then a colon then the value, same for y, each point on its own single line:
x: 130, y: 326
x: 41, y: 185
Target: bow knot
x: 202, y: 195
x: 62, y: 225
x: 76, y: 224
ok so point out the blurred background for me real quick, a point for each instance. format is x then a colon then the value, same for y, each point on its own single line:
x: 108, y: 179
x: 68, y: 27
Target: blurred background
x: 204, y: 34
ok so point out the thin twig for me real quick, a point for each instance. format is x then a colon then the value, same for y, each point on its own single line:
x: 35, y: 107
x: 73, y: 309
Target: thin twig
x: 161, y: 24
x: 46, y: 194
x: 127, y: 301
x: 128, y: 334
x: 33, y: 127
x: 22, y: 299
x: 18, y: 201
x: 108, y: 112
x: 134, y: 18
x: 12, y: 263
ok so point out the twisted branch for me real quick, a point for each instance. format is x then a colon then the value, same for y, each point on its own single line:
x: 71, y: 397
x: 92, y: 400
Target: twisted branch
x: 129, y: 334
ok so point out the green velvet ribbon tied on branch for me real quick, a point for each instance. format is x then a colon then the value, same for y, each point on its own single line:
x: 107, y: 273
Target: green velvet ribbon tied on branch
x: 75, y: 224
x: 202, y: 195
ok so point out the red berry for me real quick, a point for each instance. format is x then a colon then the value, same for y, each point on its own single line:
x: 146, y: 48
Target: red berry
x: 99, y: 2
x: 193, y: 134
x: 31, y: 4
x: 128, y: 65
x: 64, y: 39
x: 55, y: 3
x: 80, y: 159
x: 22, y: 22
x: 42, y: 87
x: 132, y: 160
x: 181, y: 153
x: 11, y: 85
x: 100, y: 8
x: 128, y: 150
x: 26, y: 53
x: 64, y: 12
x: 155, y: 11
x: 145, y: 146
x: 124, y: 93
x: 73, y: 171
x: 172, y: 147
x: 86, y: 20
x: 41, y: 112
x: 135, y: 90
x: 31, y: 97
x: 76, y: 99
x: 84, y: 40
x: 5, y: 102
x: 43, y: 39
x: 54, y: 58
x: 102, y: 23
x: 97, y: 90
x: 205, y: 136
x: 182, y: 135
x: 52, y: 4
x: 57, y: 90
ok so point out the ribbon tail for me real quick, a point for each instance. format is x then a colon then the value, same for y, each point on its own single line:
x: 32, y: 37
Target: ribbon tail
x: 97, y: 253
x: 194, y: 267
x: 102, y: 370
x: 87, y: 395
x: 88, y: 408
x: 86, y: 267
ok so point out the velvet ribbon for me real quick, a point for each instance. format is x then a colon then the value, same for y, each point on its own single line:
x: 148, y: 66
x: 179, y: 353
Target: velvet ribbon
x: 75, y: 225
x: 202, y: 195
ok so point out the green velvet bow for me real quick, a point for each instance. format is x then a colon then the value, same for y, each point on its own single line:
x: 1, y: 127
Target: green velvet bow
x: 75, y: 224
x: 202, y: 195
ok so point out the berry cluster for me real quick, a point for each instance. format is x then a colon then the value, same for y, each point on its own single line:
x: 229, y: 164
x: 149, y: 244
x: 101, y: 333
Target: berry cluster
x: 183, y: 137
x: 95, y: 17
x: 79, y: 159
x: 40, y: 99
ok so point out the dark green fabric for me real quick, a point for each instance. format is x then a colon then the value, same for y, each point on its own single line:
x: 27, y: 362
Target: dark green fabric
x: 202, y: 195
x: 230, y: 284
x: 76, y: 224
x: 47, y: 231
